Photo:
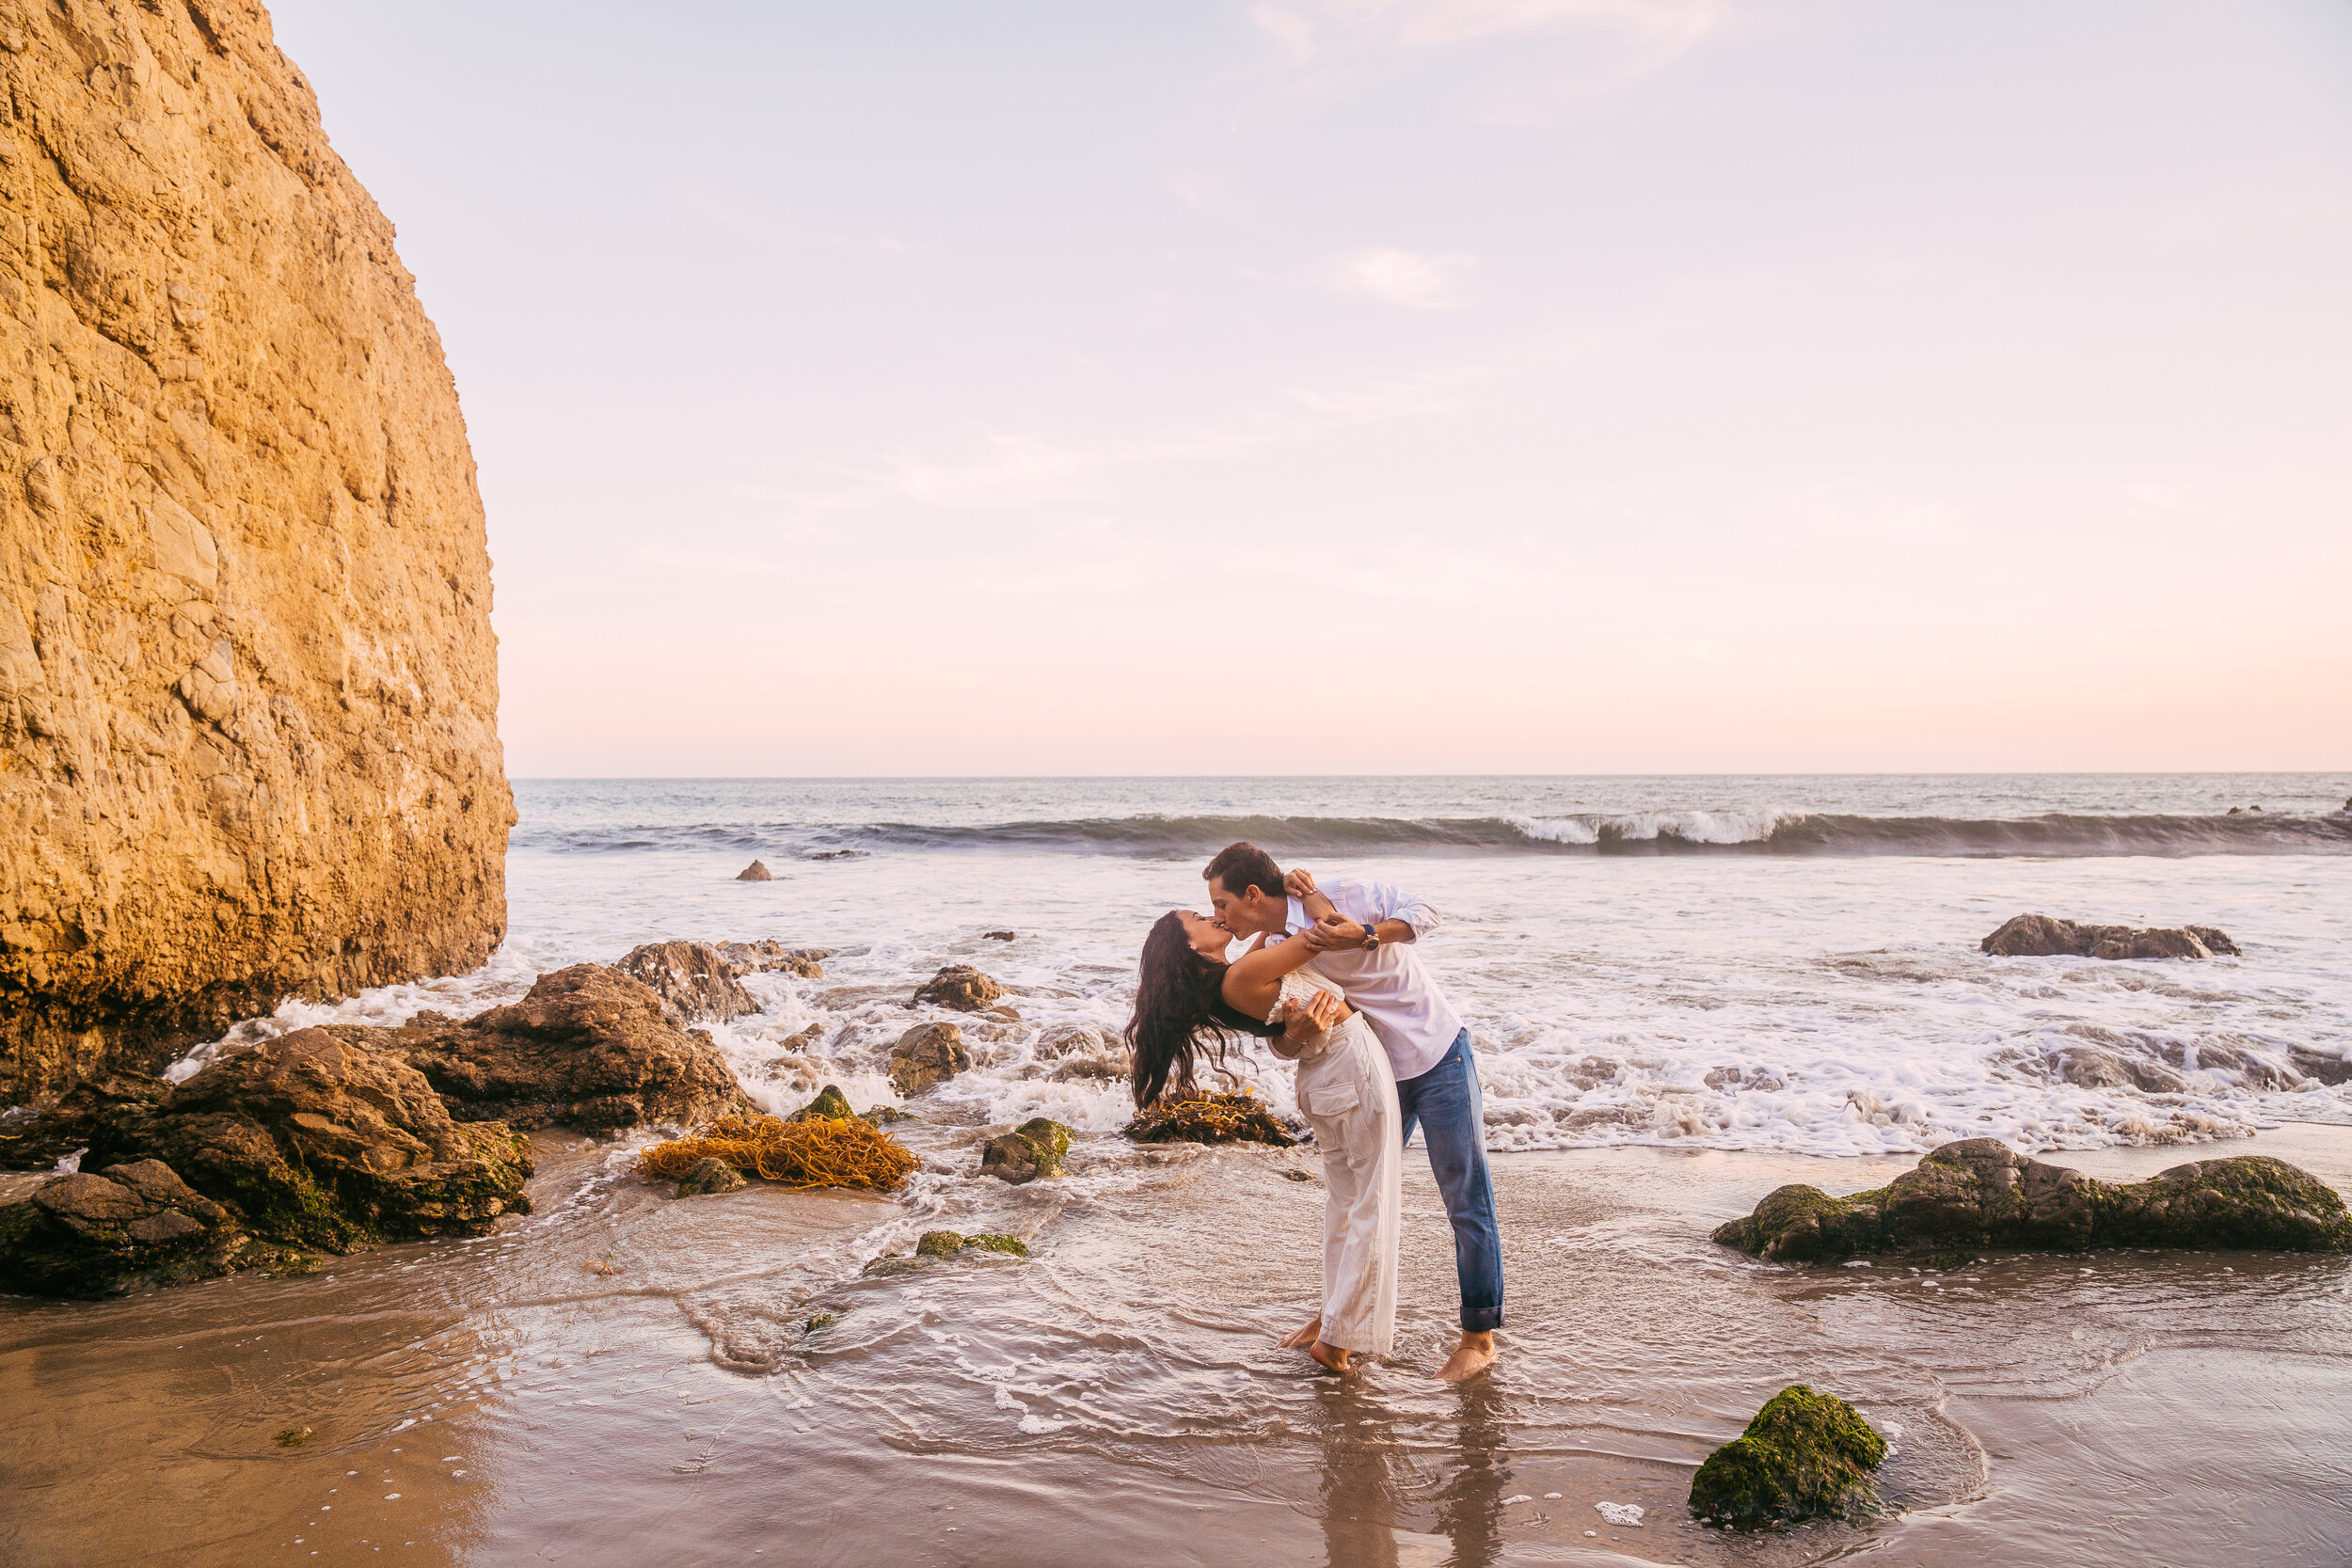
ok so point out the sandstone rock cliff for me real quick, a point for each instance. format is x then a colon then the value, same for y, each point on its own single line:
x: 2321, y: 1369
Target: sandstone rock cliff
x: 247, y: 683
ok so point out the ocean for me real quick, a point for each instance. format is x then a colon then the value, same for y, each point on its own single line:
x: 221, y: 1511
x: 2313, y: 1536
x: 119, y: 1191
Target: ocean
x: 1786, y: 963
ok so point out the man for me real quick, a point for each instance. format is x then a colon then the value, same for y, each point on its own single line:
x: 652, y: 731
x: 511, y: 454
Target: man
x: 1366, y: 949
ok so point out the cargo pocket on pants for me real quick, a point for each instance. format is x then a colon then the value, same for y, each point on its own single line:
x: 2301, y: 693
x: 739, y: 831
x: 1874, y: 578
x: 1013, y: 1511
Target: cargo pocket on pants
x: 1334, y: 1099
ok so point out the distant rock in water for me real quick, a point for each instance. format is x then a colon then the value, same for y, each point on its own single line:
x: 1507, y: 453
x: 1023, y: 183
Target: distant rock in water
x: 1981, y: 1194
x: 249, y: 686
x: 999, y: 936
x: 926, y: 1056
x: 589, y: 1047
x: 960, y: 987
x: 692, y: 977
x: 767, y: 956
x: 2038, y: 936
x: 1805, y: 1456
x: 322, y: 1142
x: 103, y: 1234
x: 755, y: 872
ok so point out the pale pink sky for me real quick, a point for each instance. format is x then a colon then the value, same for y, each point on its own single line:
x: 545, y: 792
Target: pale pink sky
x: 1411, y: 385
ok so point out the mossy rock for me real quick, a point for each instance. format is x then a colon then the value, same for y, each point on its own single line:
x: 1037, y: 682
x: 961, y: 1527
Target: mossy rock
x: 1979, y: 1194
x: 831, y: 1104
x: 1036, y: 1147
x: 883, y: 1115
x: 1012, y: 1247
x: 708, y: 1175
x: 938, y: 1244
x: 948, y: 1243
x: 1805, y: 1456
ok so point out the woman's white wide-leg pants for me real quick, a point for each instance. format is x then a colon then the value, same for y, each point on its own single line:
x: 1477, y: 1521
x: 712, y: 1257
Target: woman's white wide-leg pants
x: 1348, y: 1094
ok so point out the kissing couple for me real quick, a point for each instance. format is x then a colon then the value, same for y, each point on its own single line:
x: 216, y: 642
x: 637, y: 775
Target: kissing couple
x: 1330, y: 981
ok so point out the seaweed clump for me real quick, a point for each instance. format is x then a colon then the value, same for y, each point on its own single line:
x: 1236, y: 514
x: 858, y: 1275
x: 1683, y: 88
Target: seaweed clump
x: 817, y: 1153
x: 1805, y: 1456
x: 1210, y: 1118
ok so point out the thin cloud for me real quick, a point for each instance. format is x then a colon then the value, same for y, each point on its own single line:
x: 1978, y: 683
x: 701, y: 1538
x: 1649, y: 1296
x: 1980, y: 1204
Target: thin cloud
x: 1314, y: 28
x: 1407, y: 277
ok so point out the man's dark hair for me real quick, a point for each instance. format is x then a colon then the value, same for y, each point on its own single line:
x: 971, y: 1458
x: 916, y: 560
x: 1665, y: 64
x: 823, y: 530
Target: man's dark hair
x: 1245, y: 865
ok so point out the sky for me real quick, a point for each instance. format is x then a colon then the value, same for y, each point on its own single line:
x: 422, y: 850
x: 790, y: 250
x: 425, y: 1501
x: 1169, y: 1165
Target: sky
x: 1386, y: 386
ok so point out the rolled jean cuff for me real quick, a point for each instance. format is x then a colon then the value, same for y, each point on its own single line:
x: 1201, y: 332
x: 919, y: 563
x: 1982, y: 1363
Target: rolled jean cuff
x: 1481, y: 1320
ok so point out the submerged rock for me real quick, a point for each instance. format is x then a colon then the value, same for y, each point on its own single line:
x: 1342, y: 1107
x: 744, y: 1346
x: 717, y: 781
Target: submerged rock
x: 960, y: 987
x: 755, y: 872
x: 1092, y: 1068
x: 697, y: 982
x: 313, y: 1140
x: 1036, y: 1147
x: 1805, y: 1456
x: 707, y: 1175
x: 946, y: 1244
x: 589, y: 1047
x: 1210, y: 1118
x: 761, y: 957
x: 103, y: 1234
x: 1982, y: 1193
x: 926, y: 1056
x: 999, y: 936
x: 2040, y: 936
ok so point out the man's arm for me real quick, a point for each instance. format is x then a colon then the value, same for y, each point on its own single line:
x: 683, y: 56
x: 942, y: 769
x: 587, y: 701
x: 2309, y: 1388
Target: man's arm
x: 1392, y: 913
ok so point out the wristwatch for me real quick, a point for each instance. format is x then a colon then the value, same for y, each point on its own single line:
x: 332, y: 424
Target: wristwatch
x: 1371, y: 936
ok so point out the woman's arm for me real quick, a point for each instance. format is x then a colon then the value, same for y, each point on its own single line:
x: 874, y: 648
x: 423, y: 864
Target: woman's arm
x: 1301, y: 886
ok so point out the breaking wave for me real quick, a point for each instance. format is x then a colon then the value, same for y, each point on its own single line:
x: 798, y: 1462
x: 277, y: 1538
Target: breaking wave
x: 1666, y: 833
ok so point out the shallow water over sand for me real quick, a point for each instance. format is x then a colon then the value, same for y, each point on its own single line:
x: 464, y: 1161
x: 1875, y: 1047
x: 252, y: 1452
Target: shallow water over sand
x: 1116, y: 1398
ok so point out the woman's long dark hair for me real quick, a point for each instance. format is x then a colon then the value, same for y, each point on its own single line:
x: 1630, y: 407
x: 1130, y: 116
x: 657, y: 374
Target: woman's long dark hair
x: 1181, y: 1015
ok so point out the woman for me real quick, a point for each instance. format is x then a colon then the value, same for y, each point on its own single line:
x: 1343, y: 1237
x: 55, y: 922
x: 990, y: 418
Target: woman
x: 1190, y: 1002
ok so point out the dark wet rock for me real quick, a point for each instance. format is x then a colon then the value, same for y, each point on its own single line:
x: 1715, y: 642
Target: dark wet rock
x: 1210, y: 1118
x: 36, y: 1140
x: 837, y: 855
x: 1805, y: 1456
x: 1729, y: 1078
x: 709, y: 1174
x: 938, y: 1243
x: 883, y: 1115
x: 2322, y: 1066
x: 131, y: 1225
x: 946, y: 1244
x: 697, y: 982
x: 590, y: 1047
x: 999, y: 936
x: 767, y: 956
x: 1981, y: 1194
x: 2096, y: 1068
x: 2040, y: 936
x: 1036, y: 1147
x: 926, y: 1056
x: 831, y: 1104
x: 960, y: 987
x: 755, y: 872
x: 313, y: 1140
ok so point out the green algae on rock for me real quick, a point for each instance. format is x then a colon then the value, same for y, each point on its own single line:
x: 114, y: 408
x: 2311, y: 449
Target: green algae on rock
x: 1980, y: 1193
x: 831, y: 1104
x: 708, y: 1175
x: 1036, y: 1147
x: 1805, y: 1456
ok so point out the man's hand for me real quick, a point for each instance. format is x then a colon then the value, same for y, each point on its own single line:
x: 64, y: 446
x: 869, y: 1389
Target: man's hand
x: 1332, y: 932
x: 1299, y: 884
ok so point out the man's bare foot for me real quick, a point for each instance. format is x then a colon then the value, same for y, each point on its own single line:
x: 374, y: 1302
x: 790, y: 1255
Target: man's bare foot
x: 1299, y: 1339
x: 1473, y: 1355
x: 1332, y: 1358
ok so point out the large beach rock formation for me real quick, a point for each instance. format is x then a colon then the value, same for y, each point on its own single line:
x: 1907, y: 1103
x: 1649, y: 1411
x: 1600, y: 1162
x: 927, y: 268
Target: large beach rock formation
x: 248, y: 688
x: 589, y: 1047
x: 697, y: 982
x: 1980, y: 1193
x: 320, y: 1142
x: 2038, y: 936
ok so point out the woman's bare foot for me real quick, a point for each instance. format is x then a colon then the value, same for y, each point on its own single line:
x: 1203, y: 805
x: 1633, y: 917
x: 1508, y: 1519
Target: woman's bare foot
x: 1299, y: 1339
x: 1333, y: 1358
x: 1473, y: 1355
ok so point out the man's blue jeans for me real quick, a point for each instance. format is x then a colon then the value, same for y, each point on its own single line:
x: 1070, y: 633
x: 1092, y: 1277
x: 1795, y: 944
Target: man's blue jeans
x: 1452, y: 1112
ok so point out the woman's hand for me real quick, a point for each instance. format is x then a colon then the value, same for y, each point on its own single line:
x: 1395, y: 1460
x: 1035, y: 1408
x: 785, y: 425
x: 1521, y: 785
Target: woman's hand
x: 1319, y: 1014
x: 1299, y: 884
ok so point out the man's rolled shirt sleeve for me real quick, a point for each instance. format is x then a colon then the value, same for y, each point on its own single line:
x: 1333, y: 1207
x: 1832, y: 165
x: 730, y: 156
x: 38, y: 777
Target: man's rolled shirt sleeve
x: 1387, y: 901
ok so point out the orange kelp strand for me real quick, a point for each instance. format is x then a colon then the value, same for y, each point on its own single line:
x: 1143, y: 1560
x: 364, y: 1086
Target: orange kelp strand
x: 1210, y: 1118
x: 792, y: 1154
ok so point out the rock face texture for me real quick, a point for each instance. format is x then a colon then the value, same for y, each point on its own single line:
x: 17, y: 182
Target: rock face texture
x: 1805, y: 1456
x: 1036, y: 1147
x: 248, y: 688
x: 960, y: 987
x: 1980, y: 1193
x: 926, y: 1056
x: 2038, y: 936
x: 693, y: 978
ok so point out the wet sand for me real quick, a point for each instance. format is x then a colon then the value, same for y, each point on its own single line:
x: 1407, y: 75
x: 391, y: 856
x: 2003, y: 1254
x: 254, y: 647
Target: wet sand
x: 622, y: 1376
